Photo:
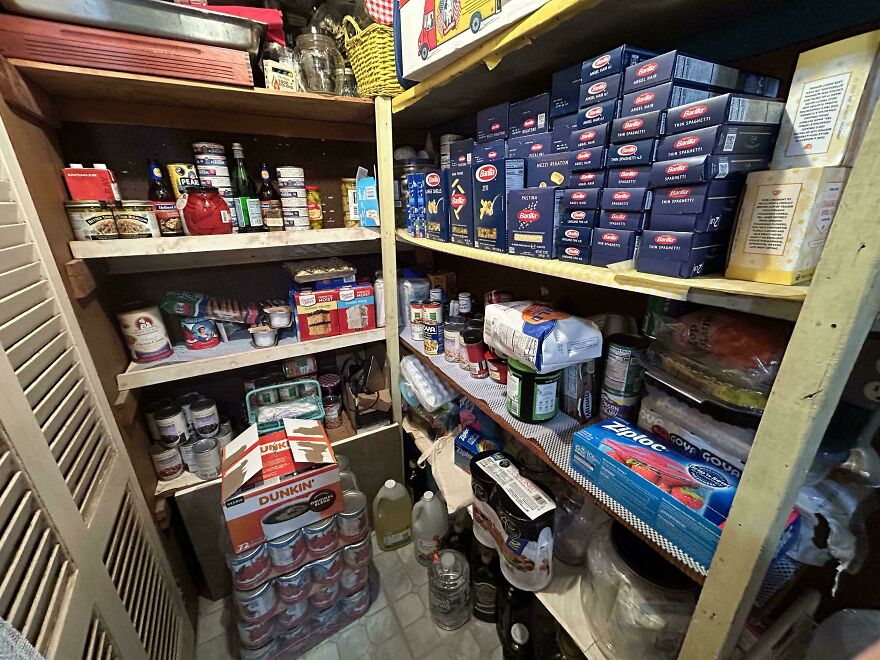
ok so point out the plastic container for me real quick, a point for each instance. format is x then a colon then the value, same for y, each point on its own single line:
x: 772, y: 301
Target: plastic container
x: 430, y: 523
x: 449, y: 590
x: 532, y: 397
x: 392, y: 516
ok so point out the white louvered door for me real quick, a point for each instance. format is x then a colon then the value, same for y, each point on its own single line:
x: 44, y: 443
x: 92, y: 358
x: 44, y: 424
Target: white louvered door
x: 82, y: 570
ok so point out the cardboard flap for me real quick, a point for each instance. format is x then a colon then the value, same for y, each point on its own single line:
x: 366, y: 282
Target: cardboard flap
x: 241, y: 461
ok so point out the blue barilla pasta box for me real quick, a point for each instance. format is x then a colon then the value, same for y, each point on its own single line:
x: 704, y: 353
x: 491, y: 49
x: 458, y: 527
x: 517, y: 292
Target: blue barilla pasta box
x: 614, y: 61
x: 581, y: 199
x: 603, y: 89
x: 589, y: 180
x: 700, y: 169
x: 529, y: 116
x: 460, y: 152
x: 601, y: 113
x: 415, y: 208
x: 577, y: 254
x: 436, y: 208
x: 622, y: 220
x: 587, y: 138
x: 532, y: 219
x: 587, y: 160
x: 629, y: 177
x: 492, y: 182
x: 487, y: 152
x: 530, y: 146
x: 612, y: 245
x: 682, y: 254
x: 561, y: 131
x: 564, y: 89
x: 626, y: 199
x: 574, y: 235
x: 460, y: 188
x: 550, y: 170
x: 712, y: 197
x: 492, y: 122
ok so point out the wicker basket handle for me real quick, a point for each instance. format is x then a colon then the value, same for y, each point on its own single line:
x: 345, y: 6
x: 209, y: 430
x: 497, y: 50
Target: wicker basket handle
x: 349, y: 22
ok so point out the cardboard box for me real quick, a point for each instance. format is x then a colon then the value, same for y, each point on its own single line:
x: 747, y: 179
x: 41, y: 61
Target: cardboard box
x: 579, y: 217
x: 622, y: 220
x: 682, y: 254
x: 580, y: 390
x: 598, y: 91
x: 629, y: 177
x: 487, y: 152
x: 529, y: 146
x: 632, y: 154
x: 640, y: 127
x: 492, y: 122
x: 529, y: 116
x: 783, y: 223
x: 674, y: 65
x: 564, y: 90
x: 723, y: 109
x: 722, y: 139
x: 275, y: 483
x: 611, y: 246
x: 573, y: 253
x: 588, y: 180
x: 625, y: 199
x: 357, y: 308
x: 461, y: 152
x: 586, y: 160
x: 492, y: 182
x: 550, y: 170
x: 711, y: 197
x: 461, y: 202
x: 587, y: 138
x: 830, y: 102
x: 601, y: 113
x: 661, y: 97
x: 561, y: 132
x: 437, y: 211
x: 532, y: 218
x: 700, y: 169
x: 614, y: 61
x: 91, y: 183
x: 709, y: 220
x: 317, y: 314
x: 574, y: 235
x: 581, y: 199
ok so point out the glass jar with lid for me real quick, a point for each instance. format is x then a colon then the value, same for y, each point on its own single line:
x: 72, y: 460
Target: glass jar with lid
x: 320, y: 61
x: 205, y: 211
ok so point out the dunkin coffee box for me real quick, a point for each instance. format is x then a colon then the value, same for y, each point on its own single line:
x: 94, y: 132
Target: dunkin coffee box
x: 436, y: 209
x: 612, y: 246
x: 682, y: 254
x: 723, y: 139
x: 700, y: 169
x: 492, y: 182
x: 661, y: 97
x: 532, y: 219
x: 492, y: 123
x: 564, y: 89
x: 614, y: 61
x: 529, y: 116
x: 460, y: 181
x: 723, y: 109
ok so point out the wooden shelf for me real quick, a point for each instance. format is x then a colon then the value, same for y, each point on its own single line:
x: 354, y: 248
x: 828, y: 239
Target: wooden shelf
x: 151, y: 254
x: 233, y: 355
x: 113, y: 97
x: 755, y: 297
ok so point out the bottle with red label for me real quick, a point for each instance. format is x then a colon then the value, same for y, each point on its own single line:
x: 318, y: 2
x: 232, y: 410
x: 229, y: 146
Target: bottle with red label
x: 163, y: 202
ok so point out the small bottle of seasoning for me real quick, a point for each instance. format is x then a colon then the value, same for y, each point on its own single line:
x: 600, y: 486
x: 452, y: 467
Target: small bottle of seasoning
x: 313, y: 203
x: 206, y: 419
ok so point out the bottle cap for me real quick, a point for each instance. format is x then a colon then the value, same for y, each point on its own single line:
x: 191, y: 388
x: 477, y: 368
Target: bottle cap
x: 519, y: 633
x: 428, y: 496
x: 390, y: 484
x: 447, y: 560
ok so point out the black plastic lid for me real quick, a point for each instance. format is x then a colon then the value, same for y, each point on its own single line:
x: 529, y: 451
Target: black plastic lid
x: 646, y: 562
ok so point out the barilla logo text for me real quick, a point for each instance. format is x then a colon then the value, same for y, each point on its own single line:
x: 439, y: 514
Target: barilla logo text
x: 528, y: 123
x: 627, y: 150
x: 678, y: 193
x: 492, y: 154
x: 633, y: 124
x: 594, y: 112
x: 621, y: 196
x: 676, y: 168
x: 283, y: 493
x: 578, y: 215
x: 486, y: 173
x: 624, y: 431
x: 578, y: 196
x: 666, y: 239
x: 572, y: 233
x: 537, y: 146
x: 694, y: 111
x: 599, y: 62
x: 581, y: 156
x: 627, y: 174
x: 457, y: 200
x: 573, y: 251
x: 495, y: 127
x: 462, y: 158
x: 528, y: 215
x: 587, y: 177
x: 620, y: 217
x: 587, y: 136
x: 686, y: 142
x: 647, y: 97
x: 597, y: 88
x: 433, y: 179
x: 611, y: 237
x: 646, y: 69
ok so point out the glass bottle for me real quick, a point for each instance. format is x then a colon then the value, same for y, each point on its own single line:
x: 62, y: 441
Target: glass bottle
x: 313, y: 203
x: 416, y: 481
x: 247, y: 205
x: 163, y: 202
x: 449, y: 590
x: 487, y: 576
x: 270, y: 202
x: 460, y: 538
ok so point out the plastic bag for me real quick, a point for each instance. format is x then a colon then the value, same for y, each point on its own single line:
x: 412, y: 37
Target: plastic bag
x: 429, y: 390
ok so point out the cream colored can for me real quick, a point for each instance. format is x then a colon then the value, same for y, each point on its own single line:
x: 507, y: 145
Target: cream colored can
x: 136, y: 219
x: 91, y: 221
x: 144, y: 332
x: 166, y: 462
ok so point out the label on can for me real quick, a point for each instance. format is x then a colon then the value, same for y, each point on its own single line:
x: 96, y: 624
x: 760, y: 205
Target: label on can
x: 91, y: 221
x: 186, y: 454
x: 432, y: 312
x: 167, y: 462
x: 417, y: 331
x: 168, y: 218
x: 145, y: 334
x: 545, y: 400
x: 415, y: 311
x: 206, y: 421
x: 434, y: 343
x: 514, y: 394
x: 623, y: 370
x: 612, y: 404
x: 172, y: 430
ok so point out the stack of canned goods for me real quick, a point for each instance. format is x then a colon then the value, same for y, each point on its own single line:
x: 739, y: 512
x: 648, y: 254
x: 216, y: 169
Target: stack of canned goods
x: 213, y: 170
x: 294, y: 202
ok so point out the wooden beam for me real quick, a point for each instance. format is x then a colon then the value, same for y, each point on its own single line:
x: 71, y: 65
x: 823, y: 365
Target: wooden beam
x: 80, y: 279
x: 837, y: 314
x: 26, y: 96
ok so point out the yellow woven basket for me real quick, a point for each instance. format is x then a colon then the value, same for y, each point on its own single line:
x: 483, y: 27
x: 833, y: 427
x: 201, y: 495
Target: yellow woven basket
x: 371, y: 52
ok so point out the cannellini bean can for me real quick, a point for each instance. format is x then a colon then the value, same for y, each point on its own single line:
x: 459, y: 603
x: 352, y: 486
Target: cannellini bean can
x: 144, y: 332
x: 166, y: 461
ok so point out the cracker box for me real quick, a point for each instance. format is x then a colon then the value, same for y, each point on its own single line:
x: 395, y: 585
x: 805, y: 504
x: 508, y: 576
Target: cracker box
x: 632, y: 154
x: 357, y: 308
x: 723, y: 109
x: 622, y: 220
x: 598, y: 91
x: 91, y: 183
x: 460, y: 182
x: 550, y: 170
x: 574, y: 235
x: 723, y: 139
x: 640, y: 127
x: 561, y: 132
x: 581, y: 199
x: 576, y: 254
x: 530, y: 146
x: 783, y: 223
x: 704, y: 168
x: 317, y: 314
x: 601, y: 113
x: 674, y: 66
x: 587, y: 138
x: 436, y: 208
x: 838, y: 83
x: 614, y: 61
x: 277, y: 482
x: 564, y: 89
x: 586, y: 180
x: 529, y: 116
x: 625, y: 199
x: 492, y: 122
x: 611, y: 246
x: 712, y: 197
x: 661, y: 97
x: 532, y: 218
x: 487, y: 152
x: 579, y: 217
x: 461, y: 152
x: 682, y: 254
x: 492, y: 182
x: 629, y: 177
x: 586, y: 160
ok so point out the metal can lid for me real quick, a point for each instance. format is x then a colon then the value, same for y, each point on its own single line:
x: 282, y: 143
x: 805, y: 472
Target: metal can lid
x: 203, y: 404
x: 251, y: 594
x: 204, y: 446
x: 282, y: 541
x: 168, y: 412
x: 355, y: 503
x: 248, y: 555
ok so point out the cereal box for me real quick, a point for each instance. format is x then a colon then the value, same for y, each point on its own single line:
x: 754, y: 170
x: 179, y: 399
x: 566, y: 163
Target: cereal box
x: 492, y: 182
x: 723, y: 139
x: 357, y: 308
x: 532, y: 219
x: 667, y: 95
x: 550, y: 170
x: 704, y: 168
x: 529, y: 116
x: 317, y: 314
x: 564, y: 89
x: 461, y: 200
x: 682, y: 254
x: 492, y: 122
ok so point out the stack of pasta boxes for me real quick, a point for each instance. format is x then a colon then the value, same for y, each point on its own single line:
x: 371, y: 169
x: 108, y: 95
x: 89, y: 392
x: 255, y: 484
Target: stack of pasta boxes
x: 629, y: 149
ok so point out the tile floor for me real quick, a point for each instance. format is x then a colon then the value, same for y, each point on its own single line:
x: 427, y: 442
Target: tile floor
x: 397, y: 626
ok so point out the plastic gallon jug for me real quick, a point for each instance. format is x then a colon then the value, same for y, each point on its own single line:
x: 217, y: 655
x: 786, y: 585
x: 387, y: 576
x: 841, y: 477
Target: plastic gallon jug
x: 392, y: 516
x: 430, y: 523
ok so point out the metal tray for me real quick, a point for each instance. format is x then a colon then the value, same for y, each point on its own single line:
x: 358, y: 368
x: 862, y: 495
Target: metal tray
x: 151, y: 17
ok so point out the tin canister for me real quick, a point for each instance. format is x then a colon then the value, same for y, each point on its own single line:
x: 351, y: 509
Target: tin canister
x: 136, y: 219
x: 433, y: 339
x: 172, y: 426
x: 186, y: 453
x: 321, y: 537
x: 257, y: 604
x: 199, y: 333
x: 432, y: 313
x: 206, y: 419
x: 185, y: 402
x: 327, y: 571
x: 166, y: 461
x: 356, y: 604
x: 352, y: 522
x: 206, y: 456
x: 289, y: 551
x: 295, y: 586
x: 624, y: 364
x: 324, y: 596
x: 144, y: 332
x: 358, y: 554
x: 612, y: 404
x: 250, y: 568
x: 91, y: 221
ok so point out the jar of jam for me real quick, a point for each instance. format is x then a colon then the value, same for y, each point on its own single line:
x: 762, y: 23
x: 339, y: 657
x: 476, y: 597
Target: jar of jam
x: 205, y: 211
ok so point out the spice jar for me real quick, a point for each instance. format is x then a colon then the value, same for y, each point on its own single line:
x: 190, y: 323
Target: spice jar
x: 313, y: 203
x: 205, y: 212
x: 320, y: 61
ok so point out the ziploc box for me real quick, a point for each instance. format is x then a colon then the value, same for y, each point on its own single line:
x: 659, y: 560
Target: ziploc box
x: 357, y: 308
x: 614, y: 61
x: 588, y: 180
x: 587, y: 138
x: 597, y: 91
x: 577, y: 254
x: 561, y: 132
x: 469, y: 443
x: 492, y: 122
x: 460, y: 152
x: 532, y: 218
x: 586, y: 160
x: 550, y: 170
x: 674, y: 65
x: 436, y: 209
x: 564, y: 89
x: 667, y: 95
x: 626, y: 199
x: 629, y: 177
x: 723, y: 109
x: 682, y: 254
x: 723, y: 139
x: 712, y: 197
x: 632, y: 154
x: 601, y: 113
x: 612, y: 245
x: 529, y: 116
x: 275, y: 483
x: 486, y: 152
x: 640, y: 127
x: 460, y: 182
x: 492, y: 182
x: 530, y: 146
x: 703, y: 168
x: 622, y: 220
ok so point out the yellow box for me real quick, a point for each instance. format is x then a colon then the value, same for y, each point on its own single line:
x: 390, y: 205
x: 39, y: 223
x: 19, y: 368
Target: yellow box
x: 783, y: 224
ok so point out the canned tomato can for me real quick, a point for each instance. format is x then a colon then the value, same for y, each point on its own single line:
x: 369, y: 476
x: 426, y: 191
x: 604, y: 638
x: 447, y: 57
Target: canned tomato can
x: 255, y: 635
x: 206, y: 419
x: 135, y: 219
x: 91, y: 221
x: 321, y: 537
x: 612, y: 404
x: 356, y: 604
x: 289, y: 551
x: 432, y: 313
x: 257, y: 604
x: 294, y: 586
x: 144, y: 332
x: 166, y: 461
x: 206, y: 456
x: 352, y: 522
x: 624, y: 363
x: 172, y: 426
x: 433, y: 338
x: 358, y: 554
x: 323, y: 597
x: 295, y: 614
x: 354, y: 579
x: 250, y: 568
x: 415, y: 311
